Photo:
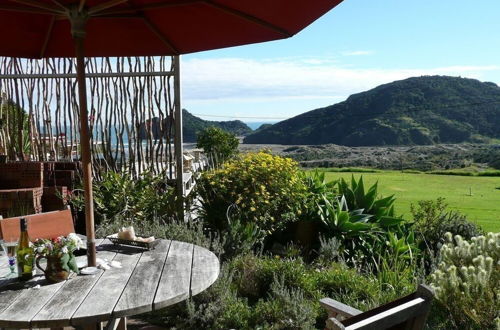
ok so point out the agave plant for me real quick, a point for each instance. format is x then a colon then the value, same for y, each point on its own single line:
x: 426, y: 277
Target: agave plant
x: 337, y: 218
x: 318, y: 189
x: 366, y: 225
x: 317, y: 184
x: 381, y: 209
x: 352, y: 228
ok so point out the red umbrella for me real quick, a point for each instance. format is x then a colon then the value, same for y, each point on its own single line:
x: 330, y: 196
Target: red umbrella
x: 67, y: 28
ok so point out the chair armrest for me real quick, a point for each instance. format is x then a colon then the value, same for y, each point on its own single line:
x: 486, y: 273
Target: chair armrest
x: 336, y: 308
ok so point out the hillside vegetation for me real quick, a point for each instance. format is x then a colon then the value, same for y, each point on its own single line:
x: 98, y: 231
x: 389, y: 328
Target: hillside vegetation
x: 192, y: 125
x: 415, y: 111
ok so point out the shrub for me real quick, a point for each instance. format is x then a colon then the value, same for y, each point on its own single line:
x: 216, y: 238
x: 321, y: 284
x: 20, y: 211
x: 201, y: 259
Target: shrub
x: 495, y: 163
x: 267, y: 190
x: 218, y: 307
x: 120, y: 195
x: 218, y: 144
x: 432, y: 221
x: 253, y: 275
x: 366, y: 228
x: 329, y: 250
x: 273, y: 293
x: 467, y: 281
x: 241, y: 238
x: 285, y: 308
x: 180, y: 230
x: 346, y: 285
x: 351, y: 169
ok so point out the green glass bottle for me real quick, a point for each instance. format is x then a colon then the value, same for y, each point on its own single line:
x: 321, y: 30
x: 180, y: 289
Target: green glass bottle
x: 25, y: 256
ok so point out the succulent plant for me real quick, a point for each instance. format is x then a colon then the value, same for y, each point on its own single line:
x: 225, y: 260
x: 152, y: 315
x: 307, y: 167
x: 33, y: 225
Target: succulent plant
x: 467, y: 280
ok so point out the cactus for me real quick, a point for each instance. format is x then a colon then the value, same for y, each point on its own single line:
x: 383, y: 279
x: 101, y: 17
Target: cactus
x: 467, y: 280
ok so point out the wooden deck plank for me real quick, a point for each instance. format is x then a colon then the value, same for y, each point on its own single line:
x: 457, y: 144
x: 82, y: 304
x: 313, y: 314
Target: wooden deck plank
x: 139, y: 293
x: 58, y: 310
x: 176, y: 277
x: 205, y: 270
x: 101, y: 301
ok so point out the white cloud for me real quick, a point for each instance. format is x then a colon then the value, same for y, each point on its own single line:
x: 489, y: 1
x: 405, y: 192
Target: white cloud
x: 246, y: 80
x: 357, y: 53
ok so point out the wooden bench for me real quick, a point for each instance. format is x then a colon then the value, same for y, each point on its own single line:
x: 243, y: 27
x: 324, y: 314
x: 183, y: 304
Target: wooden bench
x: 41, y: 225
x: 408, y: 313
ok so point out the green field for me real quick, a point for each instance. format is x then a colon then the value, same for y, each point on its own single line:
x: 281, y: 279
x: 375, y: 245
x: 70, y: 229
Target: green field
x: 482, y: 206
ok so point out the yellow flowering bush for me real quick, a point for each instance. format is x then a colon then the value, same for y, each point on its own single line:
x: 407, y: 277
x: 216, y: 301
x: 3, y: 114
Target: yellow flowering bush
x: 262, y: 189
x: 467, y: 280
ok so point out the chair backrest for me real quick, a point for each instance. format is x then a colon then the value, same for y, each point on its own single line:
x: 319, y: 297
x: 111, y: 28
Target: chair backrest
x: 41, y: 225
x: 408, y: 313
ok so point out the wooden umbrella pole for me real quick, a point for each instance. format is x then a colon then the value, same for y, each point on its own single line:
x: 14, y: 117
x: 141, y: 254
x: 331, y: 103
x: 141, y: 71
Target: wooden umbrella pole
x: 78, y: 20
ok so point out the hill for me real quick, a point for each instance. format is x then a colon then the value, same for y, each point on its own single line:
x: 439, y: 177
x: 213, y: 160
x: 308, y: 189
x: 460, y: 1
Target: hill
x: 415, y: 111
x: 191, y: 125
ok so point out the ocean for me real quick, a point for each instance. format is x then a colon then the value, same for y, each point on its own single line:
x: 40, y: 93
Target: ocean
x: 256, y: 124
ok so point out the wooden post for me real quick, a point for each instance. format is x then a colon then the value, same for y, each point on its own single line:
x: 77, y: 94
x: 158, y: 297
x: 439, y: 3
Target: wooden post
x: 78, y: 20
x: 178, y: 138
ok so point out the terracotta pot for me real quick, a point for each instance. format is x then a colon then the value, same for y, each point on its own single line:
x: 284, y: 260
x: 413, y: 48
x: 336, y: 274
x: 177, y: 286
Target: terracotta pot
x: 306, y: 233
x: 54, y: 273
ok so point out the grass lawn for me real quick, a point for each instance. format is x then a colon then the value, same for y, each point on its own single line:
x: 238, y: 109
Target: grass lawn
x: 482, y: 207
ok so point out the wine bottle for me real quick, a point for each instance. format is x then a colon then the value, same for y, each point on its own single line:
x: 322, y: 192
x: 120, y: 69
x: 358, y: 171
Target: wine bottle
x: 25, y: 256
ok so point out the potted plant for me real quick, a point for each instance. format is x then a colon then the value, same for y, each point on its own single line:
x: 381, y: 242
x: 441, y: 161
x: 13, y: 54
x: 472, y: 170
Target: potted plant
x: 59, y: 255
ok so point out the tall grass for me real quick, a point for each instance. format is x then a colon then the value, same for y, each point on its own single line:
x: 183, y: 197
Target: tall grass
x: 351, y: 170
x: 466, y: 173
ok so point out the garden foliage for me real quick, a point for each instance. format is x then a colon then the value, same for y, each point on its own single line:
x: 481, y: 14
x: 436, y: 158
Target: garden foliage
x: 366, y: 227
x: 467, y: 281
x: 276, y: 293
x: 364, y: 255
x: 217, y: 144
x: 118, y: 195
x: 14, y: 119
x: 432, y: 221
x: 265, y: 190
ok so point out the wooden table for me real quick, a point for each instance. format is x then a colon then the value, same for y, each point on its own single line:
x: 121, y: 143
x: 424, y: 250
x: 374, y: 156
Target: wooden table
x: 148, y: 280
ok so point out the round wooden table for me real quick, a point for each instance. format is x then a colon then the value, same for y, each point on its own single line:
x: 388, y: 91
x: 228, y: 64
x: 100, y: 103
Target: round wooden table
x: 148, y: 280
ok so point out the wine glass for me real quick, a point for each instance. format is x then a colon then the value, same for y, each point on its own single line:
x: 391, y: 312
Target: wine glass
x: 9, y: 246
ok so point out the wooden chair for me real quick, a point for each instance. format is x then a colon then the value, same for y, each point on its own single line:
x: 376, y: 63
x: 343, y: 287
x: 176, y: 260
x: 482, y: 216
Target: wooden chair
x: 40, y: 225
x: 408, y: 313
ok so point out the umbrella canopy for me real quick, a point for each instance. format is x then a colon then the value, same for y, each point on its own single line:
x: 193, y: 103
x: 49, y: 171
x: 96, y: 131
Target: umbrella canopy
x: 79, y: 28
x: 40, y: 28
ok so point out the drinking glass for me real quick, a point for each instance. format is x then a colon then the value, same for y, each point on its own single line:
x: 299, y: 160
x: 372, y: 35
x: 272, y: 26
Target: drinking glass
x: 9, y: 246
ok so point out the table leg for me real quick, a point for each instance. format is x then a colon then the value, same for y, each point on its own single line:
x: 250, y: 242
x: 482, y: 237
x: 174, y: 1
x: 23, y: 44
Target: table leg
x: 122, y: 324
x: 117, y: 324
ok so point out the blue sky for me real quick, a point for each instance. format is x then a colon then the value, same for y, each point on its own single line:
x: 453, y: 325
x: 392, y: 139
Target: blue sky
x: 358, y: 45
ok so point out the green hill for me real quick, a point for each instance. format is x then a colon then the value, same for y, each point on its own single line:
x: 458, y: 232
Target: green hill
x: 191, y: 125
x: 415, y: 111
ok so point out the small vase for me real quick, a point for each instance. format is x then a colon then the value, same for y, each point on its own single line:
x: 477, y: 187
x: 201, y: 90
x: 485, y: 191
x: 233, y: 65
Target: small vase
x: 54, y: 272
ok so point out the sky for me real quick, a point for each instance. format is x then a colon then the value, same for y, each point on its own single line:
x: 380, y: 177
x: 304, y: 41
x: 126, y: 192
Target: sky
x: 357, y: 46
